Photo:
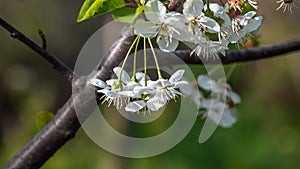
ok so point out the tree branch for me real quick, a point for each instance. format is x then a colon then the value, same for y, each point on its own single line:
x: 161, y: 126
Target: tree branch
x: 56, y: 63
x: 65, y: 123
x: 243, y: 55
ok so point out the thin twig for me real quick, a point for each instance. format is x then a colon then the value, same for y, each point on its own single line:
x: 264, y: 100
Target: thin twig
x: 243, y: 55
x: 43, y: 38
x: 56, y: 63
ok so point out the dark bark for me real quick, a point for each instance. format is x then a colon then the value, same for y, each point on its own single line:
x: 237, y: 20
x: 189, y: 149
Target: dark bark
x: 244, y: 55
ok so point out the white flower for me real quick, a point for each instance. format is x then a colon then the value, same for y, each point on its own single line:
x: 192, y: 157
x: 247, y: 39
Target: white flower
x: 286, y: 5
x: 219, y: 11
x: 249, y: 25
x: 157, y: 93
x: 240, y: 26
x: 144, y: 106
x: 209, y: 49
x: 220, y: 88
x: 147, y: 100
x: 219, y: 112
x: 209, y: 84
x: 218, y: 109
x: 168, y: 27
x: 192, y: 9
x: 166, y: 90
x: 233, y: 30
x: 115, y: 92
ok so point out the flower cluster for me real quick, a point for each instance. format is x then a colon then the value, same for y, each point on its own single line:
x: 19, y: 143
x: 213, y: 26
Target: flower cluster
x: 209, y: 27
x: 219, y: 105
x: 139, y: 94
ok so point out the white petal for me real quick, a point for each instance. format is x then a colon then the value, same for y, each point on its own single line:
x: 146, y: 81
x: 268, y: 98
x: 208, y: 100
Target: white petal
x: 220, y: 88
x: 205, y: 82
x: 155, y: 11
x: 235, y: 98
x: 135, y: 106
x: 180, y: 84
x: 125, y: 77
x: 206, y: 103
x: 227, y: 20
x: 227, y: 119
x: 176, y: 21
x: 165, y: 44
x: 250, y: 14
x: 126, y: 93
x: 140, y: 76
x: 130, y: 85
x: 210, y: 24
x: 145, y: 29
x: 192, y: 8
x: 155, y: 103
x: 98, y: 83
x: 185, y: 87
x: 176, y: 76
x: 111, y: 82
x: 215, y: 111
x: 108, y: 93
x: 161, y: 83
x: 216, y: 8
x: 149, y: 83
x: 254, y: 24
x: 142, y: 90
x: 180, y: 26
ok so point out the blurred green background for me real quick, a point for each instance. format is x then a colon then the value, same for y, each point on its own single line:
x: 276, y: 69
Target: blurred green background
x: 267, y: 134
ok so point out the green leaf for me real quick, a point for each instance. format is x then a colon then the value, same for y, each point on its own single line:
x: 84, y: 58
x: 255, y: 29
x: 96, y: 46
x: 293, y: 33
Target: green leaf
x: 127, y: 15
x: 91, y: 8
x: 43, y: 118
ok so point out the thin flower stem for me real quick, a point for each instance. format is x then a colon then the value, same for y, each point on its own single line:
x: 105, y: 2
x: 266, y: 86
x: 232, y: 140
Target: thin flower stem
x: 155, y: 59
x: 222, y: 3
x: 207, y: 4
x: 145, y: 63
x: 134, y: 59
x: 126, y: 57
